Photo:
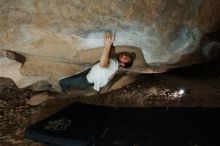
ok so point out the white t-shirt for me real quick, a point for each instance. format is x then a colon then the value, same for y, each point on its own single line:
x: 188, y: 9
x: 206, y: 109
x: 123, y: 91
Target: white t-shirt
x: 100, y: 76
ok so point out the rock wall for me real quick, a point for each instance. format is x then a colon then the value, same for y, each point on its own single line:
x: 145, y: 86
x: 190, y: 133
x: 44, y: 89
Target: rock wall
x: 63, y: 37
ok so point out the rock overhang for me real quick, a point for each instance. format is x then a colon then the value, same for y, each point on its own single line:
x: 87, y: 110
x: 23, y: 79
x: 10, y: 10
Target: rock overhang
x: 164, y: 34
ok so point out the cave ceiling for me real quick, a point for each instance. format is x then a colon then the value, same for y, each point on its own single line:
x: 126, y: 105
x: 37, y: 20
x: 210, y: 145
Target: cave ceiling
x: 67, y: 34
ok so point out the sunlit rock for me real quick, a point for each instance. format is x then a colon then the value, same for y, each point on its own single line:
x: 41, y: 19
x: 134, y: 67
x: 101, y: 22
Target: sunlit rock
x: 11, y: 69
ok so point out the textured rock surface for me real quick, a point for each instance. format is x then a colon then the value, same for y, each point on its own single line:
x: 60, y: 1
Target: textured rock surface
x: 62, y: 37
x: 39, y: 98
x: 11, y: 69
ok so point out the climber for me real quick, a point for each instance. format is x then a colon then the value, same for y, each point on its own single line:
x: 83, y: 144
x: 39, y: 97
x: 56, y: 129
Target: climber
x: 102, y: 72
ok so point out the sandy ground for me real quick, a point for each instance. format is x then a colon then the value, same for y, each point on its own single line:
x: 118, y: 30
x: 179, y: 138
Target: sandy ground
x: 200, y: 82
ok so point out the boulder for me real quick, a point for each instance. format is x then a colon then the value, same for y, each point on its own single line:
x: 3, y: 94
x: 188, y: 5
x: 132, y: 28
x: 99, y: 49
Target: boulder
x: 58, y: 38
x: 11, y: 69
x: 39, y: 98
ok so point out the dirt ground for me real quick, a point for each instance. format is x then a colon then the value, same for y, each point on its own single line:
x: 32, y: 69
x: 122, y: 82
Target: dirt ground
x: 201, y: 84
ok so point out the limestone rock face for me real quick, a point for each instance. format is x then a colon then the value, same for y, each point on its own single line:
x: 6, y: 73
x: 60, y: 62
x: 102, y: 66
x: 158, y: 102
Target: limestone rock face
x: 11, y: 69
x: 62, y: 37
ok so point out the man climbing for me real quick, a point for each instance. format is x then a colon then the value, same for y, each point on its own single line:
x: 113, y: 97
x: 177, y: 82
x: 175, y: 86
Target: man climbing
x: 103, y: 71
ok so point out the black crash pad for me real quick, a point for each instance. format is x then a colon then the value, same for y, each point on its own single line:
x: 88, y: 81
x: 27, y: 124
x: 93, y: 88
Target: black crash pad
x: 196, y: 126
x: 137, y: 127
x: 74, y: 125
x: 90, y: 125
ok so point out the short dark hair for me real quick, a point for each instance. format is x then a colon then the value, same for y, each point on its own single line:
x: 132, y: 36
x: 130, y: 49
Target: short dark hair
x: 129, y: 54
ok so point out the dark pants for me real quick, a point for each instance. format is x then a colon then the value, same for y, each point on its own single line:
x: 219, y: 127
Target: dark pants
x: 78, y: 81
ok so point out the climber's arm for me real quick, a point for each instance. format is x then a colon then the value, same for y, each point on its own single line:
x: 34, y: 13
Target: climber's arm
x: 108, y: 40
